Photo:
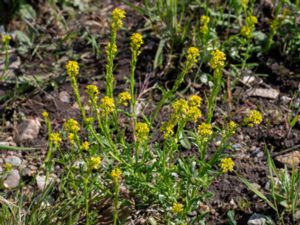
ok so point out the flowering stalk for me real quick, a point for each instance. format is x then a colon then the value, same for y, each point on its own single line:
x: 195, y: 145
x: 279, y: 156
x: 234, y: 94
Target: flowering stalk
x: 111, y: 49
x: 135, y: 45
x: 72, y: 68
x: 217, y: 63
x: 191, y: 60
x: 116, y: 176
x: 6, y: 39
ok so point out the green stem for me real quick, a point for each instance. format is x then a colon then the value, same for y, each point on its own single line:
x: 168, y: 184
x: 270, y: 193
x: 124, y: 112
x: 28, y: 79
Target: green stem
x: 215, y: 92
x: 116, y: 202
x: 77, y: 97
x: 110, y: 65
x: 86, y: 195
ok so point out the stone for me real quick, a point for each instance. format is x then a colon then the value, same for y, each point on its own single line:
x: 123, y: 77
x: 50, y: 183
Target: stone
x: 13, y: 160
x: 263, y: 92
x: 29, y: 129
x: 289, y: 159
x: 248, y: 79
x: 12, y: 180
x: 41, y: 181
x: 297, y: 215
x: 64, y: 97
x: 259, y: 219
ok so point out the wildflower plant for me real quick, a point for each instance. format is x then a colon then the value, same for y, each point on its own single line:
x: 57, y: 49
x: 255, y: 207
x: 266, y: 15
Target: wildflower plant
x: 115, y: 148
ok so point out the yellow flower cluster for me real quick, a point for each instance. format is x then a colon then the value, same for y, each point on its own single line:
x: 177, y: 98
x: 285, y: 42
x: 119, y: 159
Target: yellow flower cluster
x: 231, y: 127
x: 124, y: 97
x: 72, y: 126
x: 247, y: 30
x: 205, y: 130
x: 254, y: 118
x: 72, y: 68
x: 142, y: 131
x: 107, y: 105
x: 226, y: 165
x: 177, y: 208
x: 55, y: 138
x: 7, y: 167
x: 117, y: 18
x: 182, y: 110
x: 94, y: 162
x: 195, y: 100
x: 251, y: 20
x: 204, y: 24
x: 111, y: 49
x: 116, y: 174
x: 218, y: 59
x: 85, y: 146
x: 168, y: 129
x: 192, y: 57
x: 45, y: 114
x: 180, y: 107
x: 92, y: 90
x: 244, y: 3
x: 71, y: 138
x: 136, y: 41
x: 6, y: 39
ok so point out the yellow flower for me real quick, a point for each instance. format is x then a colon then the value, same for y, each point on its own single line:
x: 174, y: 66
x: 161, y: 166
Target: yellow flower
x: 107, y: 105
x: 180, y: 107
x: 194, y: 113
x: 231, y: 127
x: 218, y: 59
x: 246, y: 31
x: 167, y: 129
x: 204, y: 20
x: 193, y: 55
x: 94, y: 162
x: 244, y: 3
x: 177, y: 208
x: 92, y: 90
x: 71, y: 138
x: 142, y: 131
x: 72, y: 126
x: 136, y: 41
x: 7, y: 167
x: 55, y: 138
x: 45, y: 114
x: 205, y: 130
x: 124, y: 97
x: 89, y: 120
x: 116, y: 174
x: 204, y: 29
x: 85, y: 146
x: 6, y: 38
x: 72, y: 68
x: 254, y: 118
x: 117, y: 16
x: 113, y: 49
x: 251, y: 20
x: 195, y: 100
x: 226, y: 165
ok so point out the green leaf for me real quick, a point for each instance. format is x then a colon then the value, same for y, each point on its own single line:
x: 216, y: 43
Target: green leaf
x: 27, y: 12
x: 15, y: 148
x: 257, y: 192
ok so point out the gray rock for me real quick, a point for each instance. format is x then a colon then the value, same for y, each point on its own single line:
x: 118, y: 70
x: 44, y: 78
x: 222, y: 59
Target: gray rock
x: 13, y: 160
x: 41, y: 181
x: 64, y: 97
x: 297, y: 215
x: 259, y: 219
x: 12, y: 180
x: 29, y: 129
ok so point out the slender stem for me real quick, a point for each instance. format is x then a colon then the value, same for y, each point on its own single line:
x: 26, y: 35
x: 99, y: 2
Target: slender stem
x: 116, y: 202
x: 77, y: 97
